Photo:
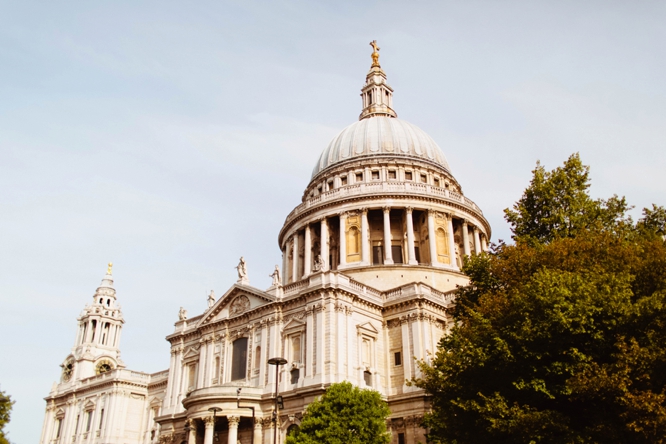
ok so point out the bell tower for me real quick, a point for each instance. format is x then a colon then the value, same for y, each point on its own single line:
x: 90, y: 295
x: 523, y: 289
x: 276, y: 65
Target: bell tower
x: 97, y: 346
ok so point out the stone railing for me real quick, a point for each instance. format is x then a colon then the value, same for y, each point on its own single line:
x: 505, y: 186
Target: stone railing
x: 421, y: 189
x: 340, y: 280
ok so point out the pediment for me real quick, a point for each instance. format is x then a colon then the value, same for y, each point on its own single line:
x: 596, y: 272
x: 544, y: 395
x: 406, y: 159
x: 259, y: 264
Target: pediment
x: 367, y: 328
x: 192, y: 352
x: 293, y: 324
x: 238, y: 300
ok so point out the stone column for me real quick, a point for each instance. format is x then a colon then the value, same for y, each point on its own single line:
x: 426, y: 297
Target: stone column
x: 192, y: 435
x: 258, y: 435
x: 209, y: 421
x: 233, y: 429
x: 410, y: 237
x: 201, y: 367
x: 208, y: 375
x: 285, y: 262
x: 388, y: 256
x: 343, y: 239
x: 324, y: 244
x: 307, y: 253
x: 477, y: 241
x: 432, y: 241
x: 452, y: 247
x: 407, y: 358
x: 465, y: 231
x: 294, y: 263
x: 484, y: 244
x: 365, y: 237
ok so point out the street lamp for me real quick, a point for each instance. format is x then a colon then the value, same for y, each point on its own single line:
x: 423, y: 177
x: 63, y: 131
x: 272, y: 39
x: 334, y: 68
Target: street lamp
x: 277, y: 362
x: 214, y: 410
x: 238, y: 392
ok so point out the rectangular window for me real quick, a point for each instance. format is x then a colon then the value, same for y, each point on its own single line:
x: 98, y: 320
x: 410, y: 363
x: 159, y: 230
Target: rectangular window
x: 76, y: 427
x: 101, y: 418
x: 392, y: 174
x: 367, y: 378
x: 239, y: 359
x: 343, y: 180
x: 359, y: 177
x: 408, y: 175
x: 88, y: 420
x: 396, y: 252
x: 58, y: 427
x: 375, y: 175
x: 330, y: 185
x: 436, y: 181
x: 191, y: 376
x: 417, y: 255
x: 424, y: 178
x: 377, y: 255
x: 401, y: 438
x: 397, y: 359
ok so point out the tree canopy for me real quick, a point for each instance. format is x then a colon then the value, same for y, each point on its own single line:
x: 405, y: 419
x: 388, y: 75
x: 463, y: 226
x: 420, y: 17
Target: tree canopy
x: 345, y: 414
x: 6, y: 404
x: 560, y: 338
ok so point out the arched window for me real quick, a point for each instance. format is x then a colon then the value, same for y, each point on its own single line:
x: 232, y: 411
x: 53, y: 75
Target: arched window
x: 292, y: 429
x: 239, y: 359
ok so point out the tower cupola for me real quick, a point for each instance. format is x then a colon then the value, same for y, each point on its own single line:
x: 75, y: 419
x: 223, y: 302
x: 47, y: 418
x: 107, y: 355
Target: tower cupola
x: 97, y: 347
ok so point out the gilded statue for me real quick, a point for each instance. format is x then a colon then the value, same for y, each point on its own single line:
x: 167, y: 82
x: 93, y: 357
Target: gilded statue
x: 375, y: 53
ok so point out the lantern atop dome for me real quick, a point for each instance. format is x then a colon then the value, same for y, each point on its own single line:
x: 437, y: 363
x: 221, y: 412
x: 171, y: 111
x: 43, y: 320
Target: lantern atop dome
x: 377, y: 95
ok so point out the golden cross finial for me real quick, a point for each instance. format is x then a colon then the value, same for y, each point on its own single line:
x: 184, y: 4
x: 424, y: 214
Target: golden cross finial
x: 108, y: 270
x: 375, y: 53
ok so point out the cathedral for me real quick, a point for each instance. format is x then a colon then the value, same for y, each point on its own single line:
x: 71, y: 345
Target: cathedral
x: 371, y: 259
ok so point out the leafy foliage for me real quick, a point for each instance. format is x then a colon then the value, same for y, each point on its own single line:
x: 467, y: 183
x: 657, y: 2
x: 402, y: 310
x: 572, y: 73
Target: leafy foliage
x: 6, y: 404
x: 345, y: 414
x: 560, y: 338
x: 557, y: 204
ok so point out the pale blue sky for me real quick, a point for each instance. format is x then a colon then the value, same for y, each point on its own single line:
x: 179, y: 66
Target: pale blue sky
x: 173, y: 137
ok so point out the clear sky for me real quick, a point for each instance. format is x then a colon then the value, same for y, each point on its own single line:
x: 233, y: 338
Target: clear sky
x: 173, y: 137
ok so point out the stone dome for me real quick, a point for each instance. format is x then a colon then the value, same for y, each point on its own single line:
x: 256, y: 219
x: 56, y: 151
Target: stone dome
x: 380, y: 136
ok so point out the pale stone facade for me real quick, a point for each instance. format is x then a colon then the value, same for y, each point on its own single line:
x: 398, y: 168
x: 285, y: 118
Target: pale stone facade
x: 371, y: 258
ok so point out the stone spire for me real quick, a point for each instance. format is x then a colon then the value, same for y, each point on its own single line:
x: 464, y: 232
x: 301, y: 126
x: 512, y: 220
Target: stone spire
x: 377, y: 95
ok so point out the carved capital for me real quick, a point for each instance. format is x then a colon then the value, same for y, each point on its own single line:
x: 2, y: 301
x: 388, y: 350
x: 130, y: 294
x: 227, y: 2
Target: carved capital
x: 386, y: 209
x: 233, y: 421
x: 209, y: 421
x: 409, y: 210
x: 364, y: 211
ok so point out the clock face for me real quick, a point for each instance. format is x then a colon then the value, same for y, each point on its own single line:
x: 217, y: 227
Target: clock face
x: 67, y: 371
x: 103, y: 367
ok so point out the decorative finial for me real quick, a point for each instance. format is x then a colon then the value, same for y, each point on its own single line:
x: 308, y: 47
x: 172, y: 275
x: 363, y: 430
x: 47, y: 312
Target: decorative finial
x: 375, y: 53
x: 108, y: 270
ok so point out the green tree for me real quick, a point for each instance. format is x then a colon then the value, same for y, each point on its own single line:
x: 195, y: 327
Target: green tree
x: 345, y: 414
x: 560, y: 338
x: 557, y: 204
x: 6, y: 404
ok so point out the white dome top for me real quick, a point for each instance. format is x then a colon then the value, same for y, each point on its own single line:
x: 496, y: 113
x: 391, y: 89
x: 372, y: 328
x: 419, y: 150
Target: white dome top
x: 380, y: 136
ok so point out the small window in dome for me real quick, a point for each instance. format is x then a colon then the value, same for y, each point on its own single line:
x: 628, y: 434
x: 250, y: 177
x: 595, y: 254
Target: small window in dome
x: 408, y: 175
x: 392, y: 174
x: 359, y: 177
x: 319, y: 189
x: 424, y: 178
x: 330, y: 184
x: 343, y: 181
x: 375, y: 175
x: 436, y: 181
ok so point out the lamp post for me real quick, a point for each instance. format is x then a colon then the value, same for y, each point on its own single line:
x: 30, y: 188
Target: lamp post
x: 277, y: 362
x: 238, y: 392
x: 214, y: 410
